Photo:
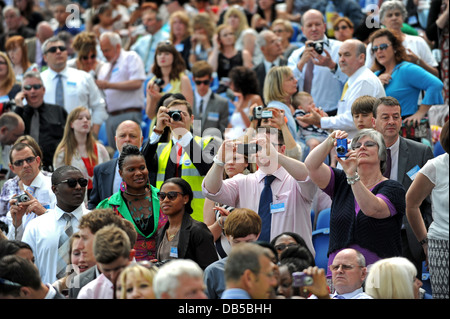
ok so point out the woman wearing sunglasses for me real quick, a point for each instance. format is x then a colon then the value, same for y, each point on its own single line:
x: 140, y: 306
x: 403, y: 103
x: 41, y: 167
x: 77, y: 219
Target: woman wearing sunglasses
x: 85, y: 45
x: 182, y: 236
x: 367, y: 208
x: 79, y: 147
x: 402, y: 79
x: 136, y: 201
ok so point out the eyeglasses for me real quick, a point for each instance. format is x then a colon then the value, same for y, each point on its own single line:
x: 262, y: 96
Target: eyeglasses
x: 170, y: 195
x: 278, y: 31
x: 382, y: 47
x: 29, y: 160
x: 72, y: 182
x: 205, y: 82
x: 344, y: 267
x: 165, y: 42
x: 3, y: 63
x: 55, y: 48
x: 92, y: 56
x: 281, y: 247
x: 32, y: 86
x: 343, y: 27
x: 366, y: 145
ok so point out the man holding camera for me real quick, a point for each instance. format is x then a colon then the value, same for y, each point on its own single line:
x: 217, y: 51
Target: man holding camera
x: 29, y: 194
x: 315, y: 65
x: 280, y: 190
x: 185, y: 155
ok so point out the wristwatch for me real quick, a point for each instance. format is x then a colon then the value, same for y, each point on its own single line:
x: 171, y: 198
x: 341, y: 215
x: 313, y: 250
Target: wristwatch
x: 218, y: 161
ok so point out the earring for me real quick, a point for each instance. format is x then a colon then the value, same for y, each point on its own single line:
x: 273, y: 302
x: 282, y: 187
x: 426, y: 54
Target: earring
x: 123, y: 187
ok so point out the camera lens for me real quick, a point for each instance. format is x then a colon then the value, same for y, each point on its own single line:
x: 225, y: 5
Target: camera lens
x: 340, y: 149
x: 176, y: 116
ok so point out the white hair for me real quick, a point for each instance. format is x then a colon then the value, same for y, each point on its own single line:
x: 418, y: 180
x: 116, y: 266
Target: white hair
x: 113, y: 38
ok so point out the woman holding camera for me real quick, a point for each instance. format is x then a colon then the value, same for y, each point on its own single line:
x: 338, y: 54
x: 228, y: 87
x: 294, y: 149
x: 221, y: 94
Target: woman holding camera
x: 367, y: 208
x: 168, y: 77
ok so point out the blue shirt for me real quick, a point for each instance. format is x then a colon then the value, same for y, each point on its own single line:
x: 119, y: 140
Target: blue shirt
x: 235, y: 293
x: 408, y: 79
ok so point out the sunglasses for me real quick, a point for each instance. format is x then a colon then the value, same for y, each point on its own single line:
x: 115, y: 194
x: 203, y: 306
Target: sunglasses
x: 92, y: 56
x: 382, y: 47
x: 3, y: 63
x: 32, y: 86
x: 366, y: 145
x: 72, y: 182
x: 205, y: 82
x: 344, y: 267
x: 55, y: 48
x: 344, y: 27
x: 29, y: 160
x: 170, y: 195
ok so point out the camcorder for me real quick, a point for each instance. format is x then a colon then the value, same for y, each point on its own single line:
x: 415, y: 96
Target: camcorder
x: 300, y: 279
x: 259, y: 113
x: 317, y: 45
x: 175, y: 115
x: 341, y: 147
x: 21, y: 198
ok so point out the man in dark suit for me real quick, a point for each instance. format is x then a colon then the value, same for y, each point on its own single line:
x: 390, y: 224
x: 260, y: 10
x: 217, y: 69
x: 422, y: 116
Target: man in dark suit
x: 14, y: 26
x: 106, y: 175
x: 44, y: 31
x: 210, y: 109
x: 51, y: 120
x: 272, y: 50
x: 407, y: 157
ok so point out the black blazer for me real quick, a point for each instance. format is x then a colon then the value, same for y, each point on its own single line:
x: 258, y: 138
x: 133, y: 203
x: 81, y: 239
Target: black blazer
x: 195, y: 241
x: 103, y: 182
x: 260, y: 70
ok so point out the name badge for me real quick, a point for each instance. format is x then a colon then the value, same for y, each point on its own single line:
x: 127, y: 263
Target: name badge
x: 72, y: 84
x: 277, y: 208
x: 413, y: 172
x: 173, y: 252
x: 115, y: 69
x: 213, y: 116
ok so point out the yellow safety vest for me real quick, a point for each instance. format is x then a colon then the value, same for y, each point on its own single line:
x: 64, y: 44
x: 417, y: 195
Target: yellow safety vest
x: 188, y: 172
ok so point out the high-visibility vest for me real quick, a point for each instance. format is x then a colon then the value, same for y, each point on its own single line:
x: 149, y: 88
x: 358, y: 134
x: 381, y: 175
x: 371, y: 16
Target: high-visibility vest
x: 188, y: 172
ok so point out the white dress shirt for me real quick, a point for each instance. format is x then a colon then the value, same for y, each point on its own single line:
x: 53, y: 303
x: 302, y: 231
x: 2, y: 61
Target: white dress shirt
x: 362, y: 82
x: 326, y: 88
x: 79, y: 90
x: 42, y: 234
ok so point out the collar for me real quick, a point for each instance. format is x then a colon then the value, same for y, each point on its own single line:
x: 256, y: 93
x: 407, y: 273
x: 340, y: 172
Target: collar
x: 205, y: 98
x: 394, y: 147
x: 279, y: 174
x: 53, y: 73
x: 38, y: 181
x: 51, y: 292
x: 349, y: 295
x: 355, y: 75
x: 77, y: 213
x: 184, y: 141
x: 268, y: 65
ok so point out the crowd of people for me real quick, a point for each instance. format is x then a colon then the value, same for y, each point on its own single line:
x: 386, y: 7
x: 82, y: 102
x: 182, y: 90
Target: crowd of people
x: 184, y: 149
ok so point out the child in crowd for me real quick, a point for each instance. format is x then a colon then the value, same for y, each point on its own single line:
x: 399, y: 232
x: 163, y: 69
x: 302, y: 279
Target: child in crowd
x: 309, y: 134
x: 363, y: 113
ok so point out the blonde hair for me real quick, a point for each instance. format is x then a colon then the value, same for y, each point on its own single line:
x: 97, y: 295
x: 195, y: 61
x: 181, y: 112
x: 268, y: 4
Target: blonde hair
x: 68, y: 143
x: 184, y: 18
x: 243, y: 23
x: 138, y: 271
x: 8, y: 82
x: 273, y: 84
x: 391, y: 278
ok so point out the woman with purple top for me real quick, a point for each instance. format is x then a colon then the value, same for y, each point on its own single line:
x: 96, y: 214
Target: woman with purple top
x: 367, y: 208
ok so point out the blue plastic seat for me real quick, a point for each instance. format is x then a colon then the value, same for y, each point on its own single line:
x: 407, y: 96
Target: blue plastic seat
x: 321, y: 239
x: 323, y: 220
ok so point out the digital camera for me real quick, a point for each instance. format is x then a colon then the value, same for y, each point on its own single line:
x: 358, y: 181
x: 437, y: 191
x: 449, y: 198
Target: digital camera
x: 341, y: 147
x: 247, y: 149
x: 21, y: 198
x: 160, y: 83
x: 259, y: 113
x: 175, y: 115
x: 317, y: 45
x: 300, y: 279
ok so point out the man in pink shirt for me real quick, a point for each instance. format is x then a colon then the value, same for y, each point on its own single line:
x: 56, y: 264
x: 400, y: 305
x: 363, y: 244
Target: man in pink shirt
x: 292, y: 189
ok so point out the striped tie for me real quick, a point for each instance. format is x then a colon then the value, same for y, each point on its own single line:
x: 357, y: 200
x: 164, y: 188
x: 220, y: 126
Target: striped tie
x: 63, y: 246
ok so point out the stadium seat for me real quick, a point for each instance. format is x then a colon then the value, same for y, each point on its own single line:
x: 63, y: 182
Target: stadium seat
x: 321, y: 239
x: 323, y: 220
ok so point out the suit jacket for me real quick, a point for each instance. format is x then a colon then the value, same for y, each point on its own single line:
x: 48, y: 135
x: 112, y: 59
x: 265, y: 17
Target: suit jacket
x: 260, y: 70
x: 410, y: 154
x: 103, y: 182
x: 215, y: 115
x: 195, y: 241
x: 82, y: 280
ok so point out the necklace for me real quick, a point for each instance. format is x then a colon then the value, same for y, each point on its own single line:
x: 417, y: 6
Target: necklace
x: 172, y: 236
x: 376, y: 182
x: 138, y: 208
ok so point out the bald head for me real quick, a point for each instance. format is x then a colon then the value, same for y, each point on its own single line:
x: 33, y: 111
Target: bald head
x: 44, y: 31
x: 352, y: 56
x: 128, y: 132
x: 313, y: 25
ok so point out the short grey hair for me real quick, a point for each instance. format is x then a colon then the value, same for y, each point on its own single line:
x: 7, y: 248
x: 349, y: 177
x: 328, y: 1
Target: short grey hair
x: 53, y: 39
x: 113, y: 38
x: 167, y: 278
x: 261, y: 38
x: 32, y: 75
x: 378, y: 138
x: 9, y: 7
x: 392, y: 5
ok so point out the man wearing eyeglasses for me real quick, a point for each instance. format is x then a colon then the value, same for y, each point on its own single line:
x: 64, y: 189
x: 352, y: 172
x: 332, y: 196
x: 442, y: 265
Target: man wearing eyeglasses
x: 49, y: 234
x: 25, y: 163
x: 209, y: 108
x: 69, y: 87
x: 51, y: 119
x: 348, y: 271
